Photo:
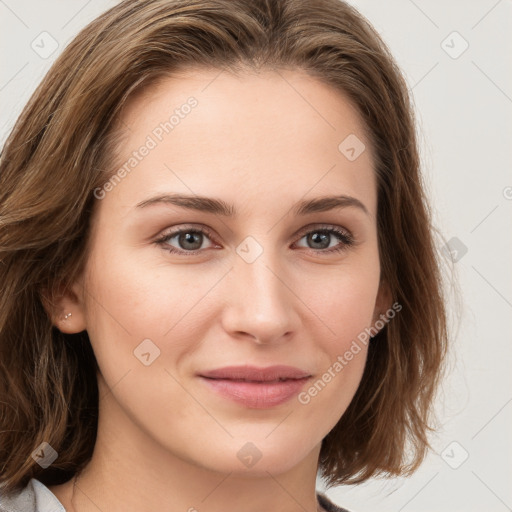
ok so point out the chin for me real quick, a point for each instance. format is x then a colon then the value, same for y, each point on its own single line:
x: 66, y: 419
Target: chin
x: 259, y: 455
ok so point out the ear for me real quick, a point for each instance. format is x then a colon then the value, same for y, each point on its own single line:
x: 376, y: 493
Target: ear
x: 65, y: 307
x: 383, y: 301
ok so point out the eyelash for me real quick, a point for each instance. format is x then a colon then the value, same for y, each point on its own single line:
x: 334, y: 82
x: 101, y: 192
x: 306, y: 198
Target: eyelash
x: 343, y: 236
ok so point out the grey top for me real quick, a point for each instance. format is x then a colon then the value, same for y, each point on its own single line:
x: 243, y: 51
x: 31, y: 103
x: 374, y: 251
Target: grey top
x: 36, y: 497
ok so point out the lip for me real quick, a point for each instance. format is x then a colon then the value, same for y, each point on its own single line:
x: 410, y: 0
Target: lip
x: 256, y: 388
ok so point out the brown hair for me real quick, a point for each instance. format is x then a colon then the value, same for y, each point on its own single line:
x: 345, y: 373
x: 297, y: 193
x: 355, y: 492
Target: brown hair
x: 65, y: 139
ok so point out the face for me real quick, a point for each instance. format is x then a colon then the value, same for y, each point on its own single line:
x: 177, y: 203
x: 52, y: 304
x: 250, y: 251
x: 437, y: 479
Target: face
x: 214, y: 320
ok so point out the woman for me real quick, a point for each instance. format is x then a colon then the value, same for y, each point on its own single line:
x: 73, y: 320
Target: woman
x: 218, y: 265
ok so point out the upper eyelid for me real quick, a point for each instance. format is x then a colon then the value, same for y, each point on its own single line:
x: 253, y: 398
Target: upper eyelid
x: 319, y: 226
x: 199, y: 227
x: 177, y: 230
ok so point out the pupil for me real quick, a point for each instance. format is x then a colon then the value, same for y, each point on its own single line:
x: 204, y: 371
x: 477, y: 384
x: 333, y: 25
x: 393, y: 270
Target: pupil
x: 319, y: 238
x: 188, y: 238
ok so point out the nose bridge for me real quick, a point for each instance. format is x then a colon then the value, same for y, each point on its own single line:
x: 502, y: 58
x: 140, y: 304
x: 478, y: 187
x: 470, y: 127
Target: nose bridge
x: 260, y: 304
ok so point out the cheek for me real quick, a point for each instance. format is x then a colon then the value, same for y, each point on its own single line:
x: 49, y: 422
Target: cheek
x: 131, y: 300
x: 344, y: 300
x: 346, y: 309
x: 344, y: 305
x: 142, y: 322
x: 140, y: 298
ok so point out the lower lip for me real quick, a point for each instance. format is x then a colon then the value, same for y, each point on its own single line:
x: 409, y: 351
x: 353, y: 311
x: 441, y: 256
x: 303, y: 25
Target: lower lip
x: 257, y: 395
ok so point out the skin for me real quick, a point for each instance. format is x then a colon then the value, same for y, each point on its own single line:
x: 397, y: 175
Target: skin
x: 261, y: 142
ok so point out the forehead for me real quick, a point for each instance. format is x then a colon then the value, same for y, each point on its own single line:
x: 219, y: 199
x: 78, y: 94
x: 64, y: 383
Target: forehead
x: 271, y: 135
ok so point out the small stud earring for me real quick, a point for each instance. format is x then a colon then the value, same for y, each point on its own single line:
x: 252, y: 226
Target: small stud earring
x: 67, y: 316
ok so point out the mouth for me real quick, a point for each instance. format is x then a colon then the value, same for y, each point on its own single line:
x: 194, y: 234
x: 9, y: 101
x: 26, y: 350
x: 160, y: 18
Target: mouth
x: 256, y: 388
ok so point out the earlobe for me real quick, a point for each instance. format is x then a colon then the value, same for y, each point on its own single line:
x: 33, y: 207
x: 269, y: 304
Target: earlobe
x: 65, y: 308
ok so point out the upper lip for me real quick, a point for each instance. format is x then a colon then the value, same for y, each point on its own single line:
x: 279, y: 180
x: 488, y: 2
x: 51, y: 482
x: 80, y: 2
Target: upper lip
x: 256, y: 374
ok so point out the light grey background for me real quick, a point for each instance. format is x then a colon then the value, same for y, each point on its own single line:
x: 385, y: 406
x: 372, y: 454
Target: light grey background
x: 464, y: 105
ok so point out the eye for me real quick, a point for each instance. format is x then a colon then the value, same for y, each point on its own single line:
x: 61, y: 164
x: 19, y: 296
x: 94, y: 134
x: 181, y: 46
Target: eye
x: 321, y: 239
x: 188, y: 240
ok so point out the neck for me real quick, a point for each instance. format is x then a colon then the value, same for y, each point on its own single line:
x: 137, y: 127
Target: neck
x: 112, y: 485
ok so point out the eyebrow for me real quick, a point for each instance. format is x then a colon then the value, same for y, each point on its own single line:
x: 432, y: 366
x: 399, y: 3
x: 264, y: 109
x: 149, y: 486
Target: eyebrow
x: 220, y: 207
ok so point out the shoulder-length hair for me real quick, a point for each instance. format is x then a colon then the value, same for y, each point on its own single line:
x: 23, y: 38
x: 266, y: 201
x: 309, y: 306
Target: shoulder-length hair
x: 61, y: 149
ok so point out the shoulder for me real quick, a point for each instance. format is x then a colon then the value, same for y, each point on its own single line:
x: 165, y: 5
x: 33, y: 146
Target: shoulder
x: 328, y: 505
x: 34, y: 497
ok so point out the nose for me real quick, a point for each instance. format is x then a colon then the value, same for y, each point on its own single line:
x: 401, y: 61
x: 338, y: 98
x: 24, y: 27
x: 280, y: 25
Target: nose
x: 260, y: 304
